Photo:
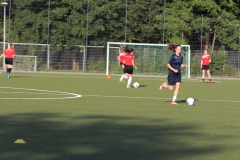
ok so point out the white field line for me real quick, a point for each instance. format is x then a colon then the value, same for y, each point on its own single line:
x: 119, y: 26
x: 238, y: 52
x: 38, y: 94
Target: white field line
x: 103, y: 76
x: 31, y: 93
x: 159, y: 98
x: 66, y: 95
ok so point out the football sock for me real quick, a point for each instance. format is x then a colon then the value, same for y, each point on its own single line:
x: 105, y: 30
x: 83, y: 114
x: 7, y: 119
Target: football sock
x: 121, y: 77
x: 10, y: 69
x: 210, y: 80
x: 203, y: 80
x: 129, y: 81
x: 174, y: 98
x: 124, y: 77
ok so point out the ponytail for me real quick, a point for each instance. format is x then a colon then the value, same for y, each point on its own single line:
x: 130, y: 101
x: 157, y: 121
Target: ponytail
x: 172, y: 47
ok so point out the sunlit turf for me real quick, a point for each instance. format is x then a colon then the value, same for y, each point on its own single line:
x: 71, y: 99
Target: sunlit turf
x: 84, y: 116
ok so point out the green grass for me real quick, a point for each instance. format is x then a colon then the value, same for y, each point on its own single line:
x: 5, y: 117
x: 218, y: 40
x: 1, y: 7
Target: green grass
x: 111, y: 122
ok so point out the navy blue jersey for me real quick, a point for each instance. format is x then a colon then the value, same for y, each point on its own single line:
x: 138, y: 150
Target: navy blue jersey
x: 175, y: 61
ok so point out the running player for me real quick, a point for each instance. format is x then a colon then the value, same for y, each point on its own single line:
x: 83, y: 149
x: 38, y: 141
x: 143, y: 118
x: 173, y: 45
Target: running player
x: 128, y: 65
x: 174, y: 71
x: 9, y: 54
x: 205, y: 65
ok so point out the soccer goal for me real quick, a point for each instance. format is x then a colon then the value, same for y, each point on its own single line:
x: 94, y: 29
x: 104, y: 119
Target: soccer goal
x: 151, y: 59
x: 24, y: 63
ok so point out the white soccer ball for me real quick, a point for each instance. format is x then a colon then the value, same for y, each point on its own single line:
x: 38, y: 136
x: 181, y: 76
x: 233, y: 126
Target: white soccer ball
x: 190, y: 101
x: 136, y: 85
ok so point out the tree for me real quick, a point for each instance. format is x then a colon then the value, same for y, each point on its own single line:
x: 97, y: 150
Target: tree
x: 106, y: 22
x: 143, y: 26
x: 179, y: 25
x: 219, y: 25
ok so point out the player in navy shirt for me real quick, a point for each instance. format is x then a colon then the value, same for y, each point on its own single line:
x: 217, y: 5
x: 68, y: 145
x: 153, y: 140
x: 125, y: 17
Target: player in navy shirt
x: 174, y: 71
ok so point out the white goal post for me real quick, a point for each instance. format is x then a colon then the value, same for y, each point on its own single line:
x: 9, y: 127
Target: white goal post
x: 150, y: 59
x: 24, y: 63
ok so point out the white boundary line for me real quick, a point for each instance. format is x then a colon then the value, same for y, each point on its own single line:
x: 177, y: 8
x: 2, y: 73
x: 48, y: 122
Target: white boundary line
x: 222, y: 100
x: 73, y: 95
x: 69, y: 95
x: 200, y: 80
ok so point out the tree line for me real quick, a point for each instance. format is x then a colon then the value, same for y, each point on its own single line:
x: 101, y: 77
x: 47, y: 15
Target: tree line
x: 213, y: 23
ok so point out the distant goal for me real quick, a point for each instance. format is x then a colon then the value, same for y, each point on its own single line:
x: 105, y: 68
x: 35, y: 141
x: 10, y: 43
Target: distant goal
x: 25, y: 63
x: 151, y: 59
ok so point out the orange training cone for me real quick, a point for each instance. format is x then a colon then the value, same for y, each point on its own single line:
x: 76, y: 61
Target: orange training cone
x: 109, y: 76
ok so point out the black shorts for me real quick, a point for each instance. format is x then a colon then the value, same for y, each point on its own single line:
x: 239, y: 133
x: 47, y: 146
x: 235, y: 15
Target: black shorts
x: 9, y: 61
x: 174, y: 78
x: 128, y: 69
x: 205, y: 67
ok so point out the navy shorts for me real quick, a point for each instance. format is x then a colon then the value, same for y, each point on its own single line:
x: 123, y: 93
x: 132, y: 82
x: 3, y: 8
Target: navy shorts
x: 174, y: 78
x: 9, y: 61
x: 205, y: 67
x: 128, y: 69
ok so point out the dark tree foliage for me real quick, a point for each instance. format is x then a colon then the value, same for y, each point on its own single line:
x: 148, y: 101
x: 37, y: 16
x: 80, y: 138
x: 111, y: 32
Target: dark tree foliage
x: 107, y: 21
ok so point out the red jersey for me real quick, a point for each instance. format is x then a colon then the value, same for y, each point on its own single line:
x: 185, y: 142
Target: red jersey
x: 121, y: 56
x: 205, y: 59
x: 128, y: 59
x: 9, y: 53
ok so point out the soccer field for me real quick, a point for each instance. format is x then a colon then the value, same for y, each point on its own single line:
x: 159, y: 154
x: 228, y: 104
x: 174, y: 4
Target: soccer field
x: 84, y: 116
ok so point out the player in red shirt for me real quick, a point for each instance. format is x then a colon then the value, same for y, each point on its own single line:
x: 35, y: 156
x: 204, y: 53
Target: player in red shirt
x: 120, y: 56
x: 128, y: 65
x: 205, y: 63
x: 9, y: 54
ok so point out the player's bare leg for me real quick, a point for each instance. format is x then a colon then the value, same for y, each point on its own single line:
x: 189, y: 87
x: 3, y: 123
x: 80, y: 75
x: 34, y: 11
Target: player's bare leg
x: 122, y: 76
x: 203, y: 75
x: 178, y: 84
x: 9, y: 69
x: 164, y: 85
x: 209, y: 76
x: 129, y: 80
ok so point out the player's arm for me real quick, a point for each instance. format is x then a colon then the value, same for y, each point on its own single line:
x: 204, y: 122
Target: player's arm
x: 201, y: 63
x: 14, y: 54
x: 169, y: 65
x: 171, y: 68
x: 210, y: 59
x: 123, y: 64
x: 1, y: 55
x: 134, y: 64
x: 184, y: 65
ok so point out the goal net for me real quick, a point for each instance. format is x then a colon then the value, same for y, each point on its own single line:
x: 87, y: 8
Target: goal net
x: 24, y: 63
x: 151, y: 59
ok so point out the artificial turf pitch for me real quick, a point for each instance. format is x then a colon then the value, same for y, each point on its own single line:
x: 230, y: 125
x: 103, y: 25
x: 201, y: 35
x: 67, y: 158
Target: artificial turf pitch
x: 84, y: 116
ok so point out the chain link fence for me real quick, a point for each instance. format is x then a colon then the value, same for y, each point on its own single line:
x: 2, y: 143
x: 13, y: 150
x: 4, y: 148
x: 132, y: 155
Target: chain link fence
x: 75, y: 59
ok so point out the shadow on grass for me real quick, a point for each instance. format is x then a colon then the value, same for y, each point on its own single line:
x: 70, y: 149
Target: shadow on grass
x: 48, y: 136
x: 141, y: 86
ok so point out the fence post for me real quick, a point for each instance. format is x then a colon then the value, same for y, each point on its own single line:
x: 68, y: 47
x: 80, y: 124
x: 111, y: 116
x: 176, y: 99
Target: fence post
x: 86, y: 50
x: 238, y: 47
x: 48, y: 56
x: 201, y: 41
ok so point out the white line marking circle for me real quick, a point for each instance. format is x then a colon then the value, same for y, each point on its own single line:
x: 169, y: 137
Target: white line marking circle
x: 66, y: 95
